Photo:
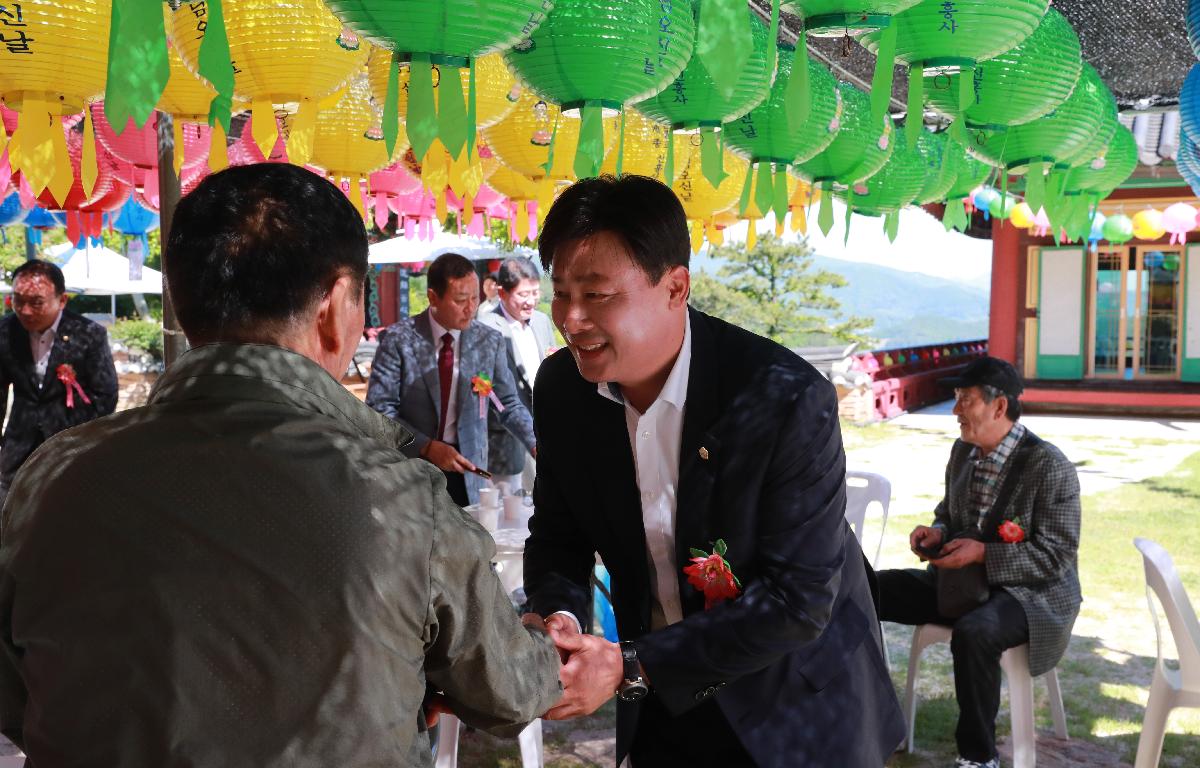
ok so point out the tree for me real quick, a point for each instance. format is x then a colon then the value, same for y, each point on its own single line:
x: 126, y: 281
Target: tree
x: 774, y: 290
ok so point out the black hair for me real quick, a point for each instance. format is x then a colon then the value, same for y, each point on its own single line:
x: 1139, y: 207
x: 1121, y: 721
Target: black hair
x: 447, y: 267
x: 643, y: 212
x: 47, y: 270
x: 255, y: 246
x: 513, y: 271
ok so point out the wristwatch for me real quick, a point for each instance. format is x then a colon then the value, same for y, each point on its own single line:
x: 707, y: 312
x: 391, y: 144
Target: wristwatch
x: 633, y: 686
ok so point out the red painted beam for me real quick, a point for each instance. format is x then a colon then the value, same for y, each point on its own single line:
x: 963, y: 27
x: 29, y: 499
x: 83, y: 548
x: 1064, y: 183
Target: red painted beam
x: 1007, y: 284
x: 1111, y: 398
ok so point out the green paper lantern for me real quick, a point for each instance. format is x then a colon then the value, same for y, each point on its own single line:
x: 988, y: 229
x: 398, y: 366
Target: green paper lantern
x: 763, y: 134
x: 1002, y: 206
x: 1053, y: 139
x: 896, y: 184
x: 1118, y: 228
x: 1110, y: 171
x: 936, y: 37
x: 592, y: 55
x: 859, y: 149
x: 835, y: 18
x: 1019, y: 85
x: 942, y: 159
x: 693, y: 101
x: 971, y: 173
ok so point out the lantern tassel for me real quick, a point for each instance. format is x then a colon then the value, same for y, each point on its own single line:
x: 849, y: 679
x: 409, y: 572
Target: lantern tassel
x: 724, y: 42
x: 216, y: 65
x: 303, y: 136
x: 391, y: 107
x: 710, y: 157
x: 881, y: 80
x: 31, y: 150
x: 780, y: 203
x: 471, y: 110
x: 669, y: 166
x: 966, y: 95
x: 696, y: 233
x: 89, y: 168
x: 64, y: 174
x: 849, y: 218
x: 711, y: 233
x: 751, y: 234
x: 177, y: 137
x: 764, y: 192
x: 218, y: 149
x: 915, y: 120
x: 590, y: 152
x: 796, y: 96
x: 264, y: 129
x: 747, y: 188
x: 549, y: 164
x: 825, y: 212
x: 621, y: 146
x: 421, y: 121
x: 451, y: 112
x: 138, y: 68
x: 891, y: 225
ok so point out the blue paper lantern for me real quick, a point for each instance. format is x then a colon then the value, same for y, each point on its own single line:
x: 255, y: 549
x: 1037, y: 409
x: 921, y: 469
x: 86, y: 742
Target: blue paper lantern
x: 133, y: 219
x: 11, y: 211
x: 984, y: 199
x: 43, y: 219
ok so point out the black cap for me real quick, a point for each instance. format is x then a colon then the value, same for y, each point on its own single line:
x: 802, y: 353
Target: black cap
x: 988, y: 371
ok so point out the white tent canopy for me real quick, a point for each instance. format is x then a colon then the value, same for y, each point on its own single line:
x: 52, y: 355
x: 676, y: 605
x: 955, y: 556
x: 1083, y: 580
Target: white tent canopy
x: 99, y: 271
x: 401, y: 250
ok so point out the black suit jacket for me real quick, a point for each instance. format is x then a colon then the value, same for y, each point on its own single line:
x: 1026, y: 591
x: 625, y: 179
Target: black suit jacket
x: 37, y: 414
x: 795, y: 662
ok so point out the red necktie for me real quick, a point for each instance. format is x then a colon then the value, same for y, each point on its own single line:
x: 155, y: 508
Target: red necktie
x: 445, y: 378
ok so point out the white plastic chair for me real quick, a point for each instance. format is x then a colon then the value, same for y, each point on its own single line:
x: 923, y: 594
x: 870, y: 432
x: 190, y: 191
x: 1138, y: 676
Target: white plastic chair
x: 1170, y: 688
x: 1015, y: 664
x: 863, y: 488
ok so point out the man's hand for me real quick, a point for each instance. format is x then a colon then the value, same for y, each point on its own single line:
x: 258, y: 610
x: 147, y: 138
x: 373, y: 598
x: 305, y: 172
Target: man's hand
x: 924, y: 537
x: 444, y: 457
x: 560, y: 624
x: 960, y: 553
x: 435, y: 706
x: 590, y: 677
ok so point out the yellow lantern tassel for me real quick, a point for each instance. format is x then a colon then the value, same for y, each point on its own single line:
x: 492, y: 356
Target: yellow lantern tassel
x: 545, y: 196
x: 697, y: 236
x: 3, y: 139
x: 468, y: 209
x: 435, y: 169
x: 522, y: 227
x: 799, y: 220
x: 716, y: 235
x: 89, y: 169
x: 34, y: 155
x: 779, y: 227
x: 441, y: 206
x: 303, y: 133
x: 218, y: 151
x: 177, y: 155
x: 354, y: 192
x: 265, y: 131
x: 459, y: 175
x: 360, y: 198
x: 751, y: 234
x: 64, y: 174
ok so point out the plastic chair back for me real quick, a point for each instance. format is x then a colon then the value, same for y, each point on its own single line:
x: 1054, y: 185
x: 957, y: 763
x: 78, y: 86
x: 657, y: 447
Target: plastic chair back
x: 863, y: 489
x: 1162, y: 580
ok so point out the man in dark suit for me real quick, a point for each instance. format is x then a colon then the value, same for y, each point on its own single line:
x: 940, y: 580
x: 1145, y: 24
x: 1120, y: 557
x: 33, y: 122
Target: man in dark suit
x: 428, y: 373
x: 664, y: 431
x: 58, y: 363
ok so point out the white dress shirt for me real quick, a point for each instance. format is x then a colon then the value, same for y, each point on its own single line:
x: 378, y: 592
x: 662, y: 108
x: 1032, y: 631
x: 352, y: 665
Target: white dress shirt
x: 40, y: 344
x: 526, y: 346
x: 655, y: 437
x: 450, y: 433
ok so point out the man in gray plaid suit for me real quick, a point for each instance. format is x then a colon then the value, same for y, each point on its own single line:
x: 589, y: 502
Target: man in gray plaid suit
x: 1012, y: 505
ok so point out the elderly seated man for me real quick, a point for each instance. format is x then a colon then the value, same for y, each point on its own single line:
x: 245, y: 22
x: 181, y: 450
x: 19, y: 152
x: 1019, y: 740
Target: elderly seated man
x: 1011, y: 510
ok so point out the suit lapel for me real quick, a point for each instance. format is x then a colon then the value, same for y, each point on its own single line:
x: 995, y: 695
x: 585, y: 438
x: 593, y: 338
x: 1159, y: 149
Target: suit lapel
x: 429, y: 372
x: 59, y: 351
x: 697, y: 469
x: 469, y: 364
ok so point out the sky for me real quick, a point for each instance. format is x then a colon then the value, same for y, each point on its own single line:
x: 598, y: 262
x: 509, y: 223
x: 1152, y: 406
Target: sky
x: 922, y: 245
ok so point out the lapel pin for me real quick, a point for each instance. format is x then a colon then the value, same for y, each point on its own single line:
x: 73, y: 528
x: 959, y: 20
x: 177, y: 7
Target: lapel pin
x: 703, y: 453
x: 66, y: 338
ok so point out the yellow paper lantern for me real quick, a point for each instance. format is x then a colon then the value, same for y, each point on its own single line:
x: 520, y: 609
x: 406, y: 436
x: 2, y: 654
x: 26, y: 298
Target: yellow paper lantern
x: 1022, y: 216
x: 701, y: 200
x: 348, y: 143
x: 496, y: 91
x: 285, y: 56
x: 186, y: 99
x: 1148, y: 224
x: 645, y: 149
x: 515, y: 186
x: 522, y: 139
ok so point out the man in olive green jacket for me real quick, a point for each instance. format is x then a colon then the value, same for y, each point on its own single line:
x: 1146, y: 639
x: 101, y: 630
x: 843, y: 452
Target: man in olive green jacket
x: 248, y: 572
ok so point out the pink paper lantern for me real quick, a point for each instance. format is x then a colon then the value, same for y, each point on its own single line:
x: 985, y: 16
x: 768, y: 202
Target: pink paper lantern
x: 1179, y: 219
x: 139, y: 146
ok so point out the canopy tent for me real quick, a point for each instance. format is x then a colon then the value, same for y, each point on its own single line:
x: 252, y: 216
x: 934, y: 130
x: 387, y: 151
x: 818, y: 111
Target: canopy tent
x: 402, y: 250
x: 99, y: 271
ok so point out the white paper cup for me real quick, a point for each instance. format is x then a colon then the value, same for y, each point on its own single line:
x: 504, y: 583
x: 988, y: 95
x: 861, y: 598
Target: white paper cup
x: 489, y: 498
x: 514, y: 507
x: 489, y: 518
x: 502, y: 486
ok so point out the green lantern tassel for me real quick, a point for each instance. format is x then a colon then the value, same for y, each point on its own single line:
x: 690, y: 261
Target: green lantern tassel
x: 825, y: 212
x: 590, y: 152
x: 421, y: 121
x: 797, y: 101
x: 966, y: 94
x: 553, y: 145
x: 780, y: 205
x: 621, y: 145
x: 916, y: 105
x: 849, y: 217
x: 724, y: 42
x: 955, y: 216
x: 216, y: 66
x: 452, y: 112
x: 669, y: 168
x: 1035, y: 187
x: 471, y: 111
x: 391, y: 107
x: 744, y: 202
x: 881, y: 81
x: 764, y: 191
x: 137, y: 62
x: 711, y: 161
x: 891, y: 225
x: 773, y: 37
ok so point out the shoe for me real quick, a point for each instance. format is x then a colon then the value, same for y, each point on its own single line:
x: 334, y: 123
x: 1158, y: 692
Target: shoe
x: 962, y: 762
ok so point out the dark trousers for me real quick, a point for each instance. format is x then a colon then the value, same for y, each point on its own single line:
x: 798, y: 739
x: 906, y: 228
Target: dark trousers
x: 910, y: 597
x: 456, y: 486
x: 699, y: 738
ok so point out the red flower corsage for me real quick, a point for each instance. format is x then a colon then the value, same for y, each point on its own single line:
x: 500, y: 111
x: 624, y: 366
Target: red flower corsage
x: 711, y: 574
x: 1011, y: 533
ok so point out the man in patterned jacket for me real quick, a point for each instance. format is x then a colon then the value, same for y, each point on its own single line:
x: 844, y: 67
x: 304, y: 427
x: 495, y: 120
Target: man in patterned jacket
x: 1027, y: 538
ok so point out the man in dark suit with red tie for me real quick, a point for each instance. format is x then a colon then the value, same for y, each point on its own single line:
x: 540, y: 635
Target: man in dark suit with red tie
x: 665, y: 434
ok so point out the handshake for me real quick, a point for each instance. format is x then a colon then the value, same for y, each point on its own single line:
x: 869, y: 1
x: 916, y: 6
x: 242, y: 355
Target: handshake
x: 592, y: 668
